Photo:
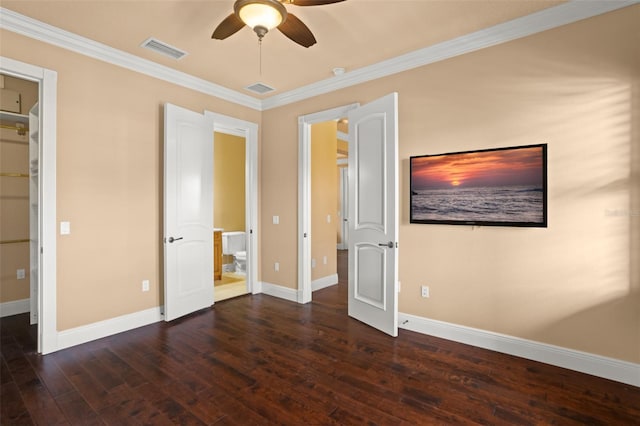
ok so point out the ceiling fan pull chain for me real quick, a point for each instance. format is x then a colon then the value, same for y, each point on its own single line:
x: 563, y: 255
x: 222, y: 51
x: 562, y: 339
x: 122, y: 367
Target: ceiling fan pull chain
x: 260, y: 56
x: 260, y: 44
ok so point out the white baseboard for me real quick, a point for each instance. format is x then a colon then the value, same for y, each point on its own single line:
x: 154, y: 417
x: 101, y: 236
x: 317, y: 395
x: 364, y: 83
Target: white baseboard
x: 324, y: 282
x: 276, y: 290
x: 608, y: 368
x: 98, y: 330
x: 14, y: 307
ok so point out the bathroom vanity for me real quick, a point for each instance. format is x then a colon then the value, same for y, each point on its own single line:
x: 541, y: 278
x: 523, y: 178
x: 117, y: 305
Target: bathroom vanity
x: 217, y: 254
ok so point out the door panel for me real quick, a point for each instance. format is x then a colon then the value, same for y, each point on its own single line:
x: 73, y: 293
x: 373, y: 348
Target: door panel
x: 373, y: 209
x: 188, y: 212
x: 370, y: 160
x: 369, y: 281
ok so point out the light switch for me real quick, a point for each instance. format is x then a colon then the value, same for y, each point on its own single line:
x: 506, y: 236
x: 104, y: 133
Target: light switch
x: 276, y: 220
x: 65, y: 228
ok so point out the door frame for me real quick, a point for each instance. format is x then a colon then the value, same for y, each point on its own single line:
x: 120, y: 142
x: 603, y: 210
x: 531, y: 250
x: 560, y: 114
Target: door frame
x: 47, y: 97
x: 344, y: 208
x: 304, y: 193
x: 249, y: 131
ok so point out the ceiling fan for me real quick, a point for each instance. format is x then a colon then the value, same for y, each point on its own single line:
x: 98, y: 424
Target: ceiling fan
x: 265, y: 15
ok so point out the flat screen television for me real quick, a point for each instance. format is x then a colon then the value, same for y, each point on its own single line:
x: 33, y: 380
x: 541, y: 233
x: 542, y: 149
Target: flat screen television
x: 488, y: 187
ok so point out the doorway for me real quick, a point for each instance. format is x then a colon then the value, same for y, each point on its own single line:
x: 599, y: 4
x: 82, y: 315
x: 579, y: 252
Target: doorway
x: 19, y: 189
x: 305, y: 222
x: 373, y: 210
x: 247, y: 132
x: 188, y: 206
x: 41, y: 176
x: 229, y: 217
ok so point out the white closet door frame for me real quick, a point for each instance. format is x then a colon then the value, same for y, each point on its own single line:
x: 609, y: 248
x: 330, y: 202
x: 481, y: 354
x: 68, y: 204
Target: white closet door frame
x: 47, y: 305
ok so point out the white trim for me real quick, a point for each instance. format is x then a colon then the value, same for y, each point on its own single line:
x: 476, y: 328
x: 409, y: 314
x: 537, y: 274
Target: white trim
x: 46, y: 33
x: 304, y: 192
x: 249, y: 131
x: 14, y: 307
x: 47, y: 305
x: 608, y: 368
x: 279, y: 291
x: 534, y: 23
x: 344, y: 204
x: 324, y: 282
x: 98, y: 330
x: 47, y: 320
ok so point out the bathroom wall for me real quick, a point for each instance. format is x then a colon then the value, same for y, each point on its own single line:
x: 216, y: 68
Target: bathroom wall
x: 229, y: 182
x: 324, y: 214
x: 14, y: 198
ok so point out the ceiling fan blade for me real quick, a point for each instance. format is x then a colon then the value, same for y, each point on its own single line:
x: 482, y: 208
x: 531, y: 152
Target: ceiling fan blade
x: 313, y: 2
x: 231, y: 25
x: 297, y: 31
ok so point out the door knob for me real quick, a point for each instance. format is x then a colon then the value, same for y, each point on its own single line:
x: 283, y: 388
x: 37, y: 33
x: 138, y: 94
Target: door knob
x: 171, y: 239
x: 389, y: 244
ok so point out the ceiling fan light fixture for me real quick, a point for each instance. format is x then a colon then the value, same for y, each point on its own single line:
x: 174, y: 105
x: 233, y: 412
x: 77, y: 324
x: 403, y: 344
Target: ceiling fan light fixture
x: 261, y: 15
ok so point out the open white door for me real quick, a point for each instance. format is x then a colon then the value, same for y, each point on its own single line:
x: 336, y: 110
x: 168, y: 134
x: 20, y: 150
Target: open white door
x: 188, y: 212
x: 373, y: 214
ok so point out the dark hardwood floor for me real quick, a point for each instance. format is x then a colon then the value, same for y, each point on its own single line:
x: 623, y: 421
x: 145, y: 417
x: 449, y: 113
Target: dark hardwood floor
x: 258, y: 360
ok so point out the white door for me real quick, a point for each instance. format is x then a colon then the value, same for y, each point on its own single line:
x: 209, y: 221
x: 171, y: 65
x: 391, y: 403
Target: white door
x: 188, y: 212
x: 373, y: 214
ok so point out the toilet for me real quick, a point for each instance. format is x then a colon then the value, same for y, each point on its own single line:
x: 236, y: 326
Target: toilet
x: 233, y: 244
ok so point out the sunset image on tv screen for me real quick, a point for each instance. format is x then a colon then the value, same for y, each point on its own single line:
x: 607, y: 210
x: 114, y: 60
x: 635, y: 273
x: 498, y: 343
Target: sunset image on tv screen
x: 501, y: 186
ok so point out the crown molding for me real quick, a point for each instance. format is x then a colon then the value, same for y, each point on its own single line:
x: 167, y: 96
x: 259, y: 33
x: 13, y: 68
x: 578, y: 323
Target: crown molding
x: 46, y: 33
x: 553, y: 17
x: 534, y: 23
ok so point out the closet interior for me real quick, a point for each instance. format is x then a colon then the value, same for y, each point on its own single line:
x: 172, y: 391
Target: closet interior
x: 19, y: 196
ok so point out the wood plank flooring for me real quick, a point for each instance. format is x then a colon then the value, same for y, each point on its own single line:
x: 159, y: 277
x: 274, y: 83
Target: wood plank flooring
x: 259, y: 360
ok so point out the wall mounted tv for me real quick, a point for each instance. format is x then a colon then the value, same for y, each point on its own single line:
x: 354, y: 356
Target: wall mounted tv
x: 489, y: 187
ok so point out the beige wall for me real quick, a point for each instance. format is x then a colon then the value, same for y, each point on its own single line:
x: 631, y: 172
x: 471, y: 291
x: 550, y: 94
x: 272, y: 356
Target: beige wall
x: 323, y: 199
x: 575, y: 284
x: 109, y: 179
x: 229, y: 182
x: 14, y: 198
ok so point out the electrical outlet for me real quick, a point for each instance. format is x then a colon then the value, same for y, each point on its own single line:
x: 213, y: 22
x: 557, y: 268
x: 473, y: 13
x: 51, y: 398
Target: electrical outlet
x: 325, y: 260
x: 20, y: 274
x: 313, y: 263
x: 276, y: 220
x: 425, y: 291
x: 145, y: 285
x: 328, y: 218
x: 276, y: 266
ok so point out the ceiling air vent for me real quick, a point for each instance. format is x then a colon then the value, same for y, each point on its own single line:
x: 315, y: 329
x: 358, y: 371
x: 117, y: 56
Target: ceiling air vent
x: 260, y: 88
x: 163, y: 48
